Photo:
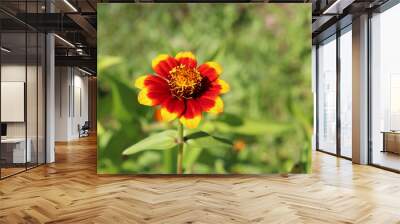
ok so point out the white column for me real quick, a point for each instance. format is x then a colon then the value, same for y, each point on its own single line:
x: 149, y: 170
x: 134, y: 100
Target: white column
x: 360, y: 90
x: 50, y: 99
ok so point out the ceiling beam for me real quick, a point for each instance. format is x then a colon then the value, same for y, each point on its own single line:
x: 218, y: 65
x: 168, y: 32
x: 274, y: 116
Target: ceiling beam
x: 83, y: 23
x: 337, y: 7
x: 77, y: 61
x: 49, y: 22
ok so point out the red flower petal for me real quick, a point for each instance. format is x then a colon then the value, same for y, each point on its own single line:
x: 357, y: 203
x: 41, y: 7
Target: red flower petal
x: 158, y: 96
x: 174, y: 106
x: 208, y: 98
x: 212, y: 91
x: 206, y: 103
x: 211, y: 70
x: 163, y: 63
x: 193, y: 109
x: 186, y: 58
x: 153, y: 81
x: 157, y: 89
x: 192, y: 115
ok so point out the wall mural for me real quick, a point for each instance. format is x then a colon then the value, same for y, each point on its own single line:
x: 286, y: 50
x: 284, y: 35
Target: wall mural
x: 204, y: 88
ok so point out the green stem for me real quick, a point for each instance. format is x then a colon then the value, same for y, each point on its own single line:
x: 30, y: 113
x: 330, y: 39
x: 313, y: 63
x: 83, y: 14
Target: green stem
x: 180, y: 148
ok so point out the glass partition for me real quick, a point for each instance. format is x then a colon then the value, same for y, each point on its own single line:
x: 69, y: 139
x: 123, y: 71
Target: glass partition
x: 346, y: 92
x: 385, y: 89
x: 22, y: 95
x: 14, y: 153
x: 327, y: 95
x: 31, y: 99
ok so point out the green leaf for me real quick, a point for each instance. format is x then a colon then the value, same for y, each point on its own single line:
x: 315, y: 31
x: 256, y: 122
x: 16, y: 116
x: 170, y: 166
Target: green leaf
x: 129, y: 166
x: 120, y: 110
x: 200, y: 168
x: 148, y: 159
x: 108, y: 61
x: 124, y: 100
x: 103, y: 136
x: 246, y: 169
x: 253, y: 127
x: 231, y: 119
x: 204, y: 140
x: 169, y: 160
x: 219, y: 166
x: 160, y: 141
x: 190, y: 157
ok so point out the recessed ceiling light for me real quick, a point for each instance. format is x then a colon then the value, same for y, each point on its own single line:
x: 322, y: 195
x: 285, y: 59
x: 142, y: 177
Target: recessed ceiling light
x: 337, y: 7
x: 84, y: 71
x: 64, y: 40
x: 5, y: 50
x: 70, y: 5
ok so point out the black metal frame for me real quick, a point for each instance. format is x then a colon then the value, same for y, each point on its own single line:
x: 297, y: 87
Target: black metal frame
x: 0, y: 86
x: 338, y: 74
x: 44, y: 80
x: 316, y: 98
x: 369, y: 98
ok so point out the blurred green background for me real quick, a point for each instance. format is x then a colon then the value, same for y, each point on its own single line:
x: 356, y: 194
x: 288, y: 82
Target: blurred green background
x: 265, y: 50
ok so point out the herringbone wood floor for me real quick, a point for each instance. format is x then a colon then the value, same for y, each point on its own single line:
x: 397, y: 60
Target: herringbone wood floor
x: 69, y: 191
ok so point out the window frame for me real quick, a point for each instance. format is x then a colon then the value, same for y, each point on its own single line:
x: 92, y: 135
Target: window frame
x: 378, y: 10
x: 339, y: 32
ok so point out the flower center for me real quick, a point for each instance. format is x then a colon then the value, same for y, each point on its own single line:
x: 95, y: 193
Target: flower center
x: 184, y: 82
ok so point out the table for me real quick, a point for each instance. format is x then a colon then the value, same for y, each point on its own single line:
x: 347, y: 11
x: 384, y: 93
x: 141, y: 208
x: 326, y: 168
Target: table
x: 15, y: 148
x: 391, y: 141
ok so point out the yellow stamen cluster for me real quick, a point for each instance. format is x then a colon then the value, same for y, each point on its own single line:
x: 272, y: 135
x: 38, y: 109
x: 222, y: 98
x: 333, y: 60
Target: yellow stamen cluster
x: 184, y: 81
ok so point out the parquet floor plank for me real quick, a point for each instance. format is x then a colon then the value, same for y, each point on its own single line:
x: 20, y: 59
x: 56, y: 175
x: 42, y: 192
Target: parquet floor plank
x: 70, y: 191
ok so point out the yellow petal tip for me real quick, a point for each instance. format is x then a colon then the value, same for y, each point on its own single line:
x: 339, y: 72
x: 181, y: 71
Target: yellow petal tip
x: 144, y: 99
x: 224, y: 86
x: 216, y: 66
x: 139, y: 82
x: 166, y: 115
x: 191, y: 123
x: 218, y: 106
x: 185, y: 54
x: 158, y: 59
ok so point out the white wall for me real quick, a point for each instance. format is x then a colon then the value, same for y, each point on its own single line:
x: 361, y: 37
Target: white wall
x: 62, y: 81
x: 10, y: 73
x: 80, y: 110
x: 13, y: 101
x: 71, y: 94
x: 16, y: 73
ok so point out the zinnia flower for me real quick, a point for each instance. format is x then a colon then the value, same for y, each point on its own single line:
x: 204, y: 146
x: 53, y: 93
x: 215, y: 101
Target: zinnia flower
x: 182, y: 89
x: 239, y: 145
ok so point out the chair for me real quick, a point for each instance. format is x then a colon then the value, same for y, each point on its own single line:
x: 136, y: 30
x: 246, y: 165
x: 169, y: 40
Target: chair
x: 84, y: 130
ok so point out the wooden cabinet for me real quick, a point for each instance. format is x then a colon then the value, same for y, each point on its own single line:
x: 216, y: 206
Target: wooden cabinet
x: 391, y: 142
